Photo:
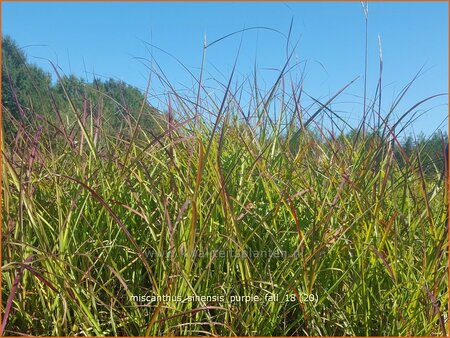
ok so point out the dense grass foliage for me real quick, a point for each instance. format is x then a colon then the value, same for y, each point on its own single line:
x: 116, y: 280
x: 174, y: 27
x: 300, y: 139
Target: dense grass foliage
x: 345, y: 231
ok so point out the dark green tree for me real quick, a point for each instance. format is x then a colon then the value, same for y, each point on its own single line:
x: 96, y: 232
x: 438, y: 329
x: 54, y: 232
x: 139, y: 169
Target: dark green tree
x: 25, y: 87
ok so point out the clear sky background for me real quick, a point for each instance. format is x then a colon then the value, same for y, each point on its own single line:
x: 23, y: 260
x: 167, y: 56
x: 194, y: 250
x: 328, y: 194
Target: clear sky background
x: 108, y: 39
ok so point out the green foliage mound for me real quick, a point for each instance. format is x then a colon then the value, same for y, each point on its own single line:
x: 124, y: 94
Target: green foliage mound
x: 120, y: 220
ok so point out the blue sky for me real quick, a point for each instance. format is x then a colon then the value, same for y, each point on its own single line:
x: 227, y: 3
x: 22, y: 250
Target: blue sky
x: 108, y: 39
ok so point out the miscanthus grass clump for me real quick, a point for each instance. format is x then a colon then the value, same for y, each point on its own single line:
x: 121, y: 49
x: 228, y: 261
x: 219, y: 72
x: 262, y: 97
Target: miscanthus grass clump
x: 262, y: 217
